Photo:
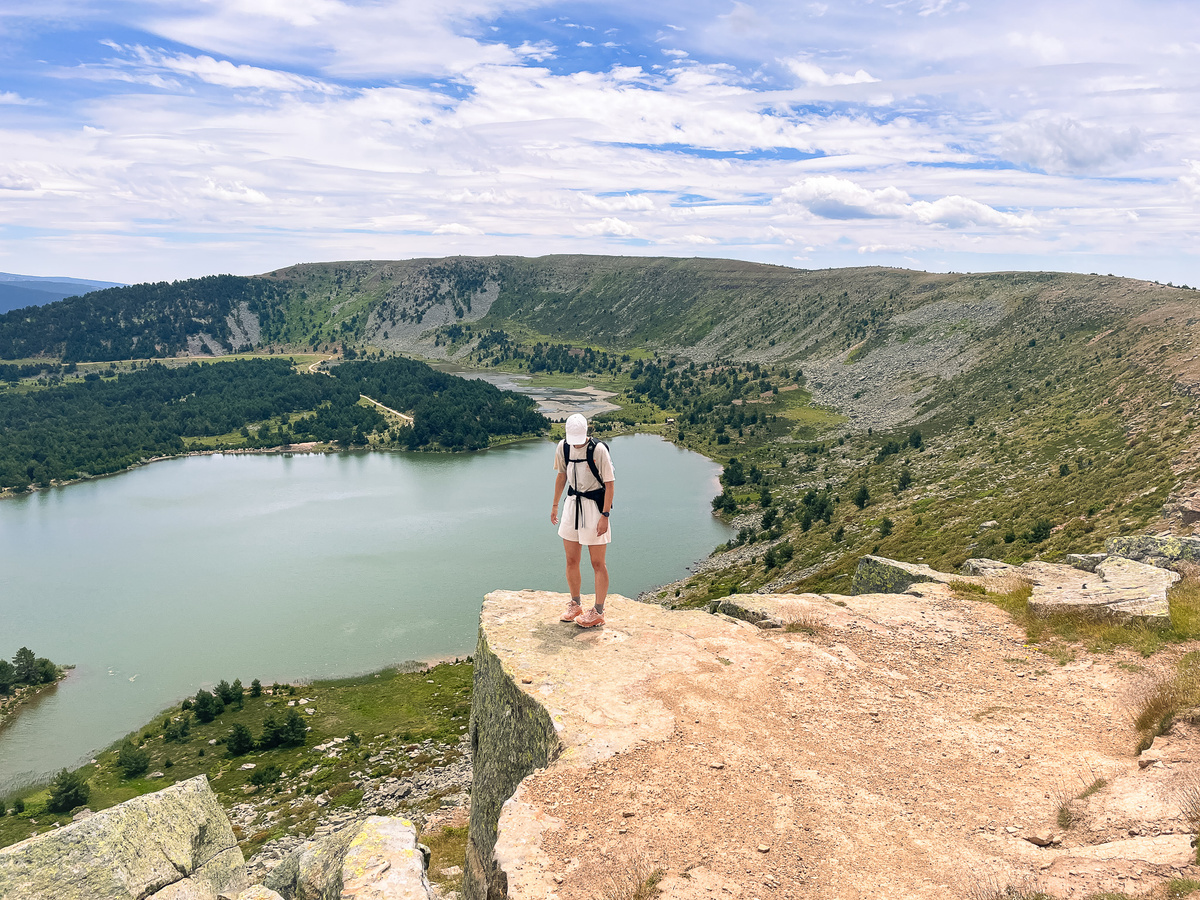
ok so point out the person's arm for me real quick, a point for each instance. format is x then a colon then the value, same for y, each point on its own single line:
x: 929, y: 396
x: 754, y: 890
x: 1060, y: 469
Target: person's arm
x: 602, y: 525
x: 560, y: 482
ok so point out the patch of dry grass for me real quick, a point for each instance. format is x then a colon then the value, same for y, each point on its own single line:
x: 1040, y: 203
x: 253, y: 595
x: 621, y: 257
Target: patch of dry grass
x: 1165, y: 698
x: 1184, y: 600
x: 447, y: 851
x: 992, y: 887
x: 638, y: 879
x: 800, y: 619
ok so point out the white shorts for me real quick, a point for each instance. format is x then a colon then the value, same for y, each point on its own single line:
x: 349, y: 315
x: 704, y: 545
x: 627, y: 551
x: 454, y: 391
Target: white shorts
x: 588, y: 518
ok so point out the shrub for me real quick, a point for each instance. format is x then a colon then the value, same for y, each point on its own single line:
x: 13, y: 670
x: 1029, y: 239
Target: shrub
x: 862, y: 497
x: 68, y: 790
x: 1039, y: 531
x: 240, y: 740
x: 132, y: 761
x: 886, y: 526
x: 265, y: 775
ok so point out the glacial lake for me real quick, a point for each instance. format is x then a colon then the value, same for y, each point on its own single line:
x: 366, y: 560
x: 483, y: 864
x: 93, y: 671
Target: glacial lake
x: 162, y: 580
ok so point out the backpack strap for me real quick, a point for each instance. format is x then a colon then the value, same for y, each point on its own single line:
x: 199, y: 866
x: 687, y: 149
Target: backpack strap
x: 591, y: 458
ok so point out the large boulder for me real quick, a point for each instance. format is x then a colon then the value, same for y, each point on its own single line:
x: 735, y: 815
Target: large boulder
x: 375, y: 859
x: 175, y: 844
x: 1155, y: 550
x: 879, y: 575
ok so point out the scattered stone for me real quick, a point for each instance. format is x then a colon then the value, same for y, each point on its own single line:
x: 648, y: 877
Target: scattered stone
x: 763, y: 848
x: 628, y: 814
x: 716, y: 765
x: 1040, y: 838
x: 527, y: 680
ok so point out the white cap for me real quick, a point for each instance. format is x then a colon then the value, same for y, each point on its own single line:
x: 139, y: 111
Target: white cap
x: 576, y: 429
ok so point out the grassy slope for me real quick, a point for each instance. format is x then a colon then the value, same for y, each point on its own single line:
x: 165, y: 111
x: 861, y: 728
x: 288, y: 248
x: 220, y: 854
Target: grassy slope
x: 386, y: 708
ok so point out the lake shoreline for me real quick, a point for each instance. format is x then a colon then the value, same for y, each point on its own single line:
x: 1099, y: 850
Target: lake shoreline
x: 11, y: 706
x: 302, y: 449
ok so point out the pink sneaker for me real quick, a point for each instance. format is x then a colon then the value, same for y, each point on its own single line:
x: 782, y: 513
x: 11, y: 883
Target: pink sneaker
x: 574, y: 611
x: 590, y: 619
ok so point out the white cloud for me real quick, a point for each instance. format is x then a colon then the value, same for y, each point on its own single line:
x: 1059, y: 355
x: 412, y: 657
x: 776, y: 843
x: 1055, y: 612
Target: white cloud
x: 812, y: 74
x: 961, y: 212
x: 11, y: 181
x: 1191, y: 179
x: 538, y: 52
x: 235, y: 192
x: 11, y: 98
x: 830, y: 197
x: 1045, y: 48
x: 1064, y: 144
x: 609, y: 225
x: 218, y: 72
x: 456, y: 228
x: 627, y: 202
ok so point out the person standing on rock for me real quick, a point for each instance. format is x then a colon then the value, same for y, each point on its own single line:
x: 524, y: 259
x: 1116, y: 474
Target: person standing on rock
x: 585, y: 469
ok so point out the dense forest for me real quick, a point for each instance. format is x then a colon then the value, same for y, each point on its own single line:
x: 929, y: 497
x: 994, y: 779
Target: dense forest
x: 141, y: 321
x: 103, y: 425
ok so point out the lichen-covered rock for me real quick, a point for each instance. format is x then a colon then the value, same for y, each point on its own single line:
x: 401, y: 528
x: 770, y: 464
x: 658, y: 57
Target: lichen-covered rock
x: 385, y: 862
x: 877, y: 575
x: 1085, y: 562
x: 254, y: 892
x: 1155, y: 550
x: 375, y: 859
x: 175, y: 844
x: 511, y: 735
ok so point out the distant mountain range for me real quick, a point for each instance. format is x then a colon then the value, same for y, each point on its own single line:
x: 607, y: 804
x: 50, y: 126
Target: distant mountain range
x: 19, y: 291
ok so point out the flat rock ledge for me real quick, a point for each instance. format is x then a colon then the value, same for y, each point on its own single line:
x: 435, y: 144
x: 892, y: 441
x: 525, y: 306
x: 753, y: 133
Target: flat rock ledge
x: 891, y: 745
x: 1096, y: 586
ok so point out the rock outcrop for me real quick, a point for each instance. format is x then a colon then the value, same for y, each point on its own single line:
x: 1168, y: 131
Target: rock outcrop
x: 1159, y: 550
x: 175, y: 844
x: 377, y: 858
x: 890, y: 745
x: 1098, y: 586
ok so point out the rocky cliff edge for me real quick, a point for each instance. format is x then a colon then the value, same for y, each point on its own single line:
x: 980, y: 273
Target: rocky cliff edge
x: 902, y: 744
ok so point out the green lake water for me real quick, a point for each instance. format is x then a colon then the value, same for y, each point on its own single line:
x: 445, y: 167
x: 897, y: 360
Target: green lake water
x: 173, y: 576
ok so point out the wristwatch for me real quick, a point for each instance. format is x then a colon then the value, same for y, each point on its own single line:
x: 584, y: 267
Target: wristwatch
x: 604, y: 514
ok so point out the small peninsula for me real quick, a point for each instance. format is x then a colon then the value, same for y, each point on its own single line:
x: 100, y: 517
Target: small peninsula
x: 23, y: 679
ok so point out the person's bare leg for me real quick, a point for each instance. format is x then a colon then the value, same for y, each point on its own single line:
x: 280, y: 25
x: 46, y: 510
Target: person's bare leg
x: 600, y: 567
x: 574, y: 579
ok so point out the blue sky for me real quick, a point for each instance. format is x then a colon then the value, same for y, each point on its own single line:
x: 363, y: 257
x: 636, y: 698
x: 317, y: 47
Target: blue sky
x: 159, y: 140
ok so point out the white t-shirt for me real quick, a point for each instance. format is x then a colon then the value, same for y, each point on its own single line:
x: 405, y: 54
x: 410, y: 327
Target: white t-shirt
x: 579, y: 474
